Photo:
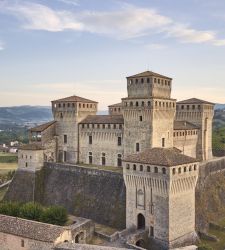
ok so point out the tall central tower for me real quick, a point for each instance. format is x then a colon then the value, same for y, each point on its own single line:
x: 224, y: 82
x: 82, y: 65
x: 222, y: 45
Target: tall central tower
x: 148, y: 112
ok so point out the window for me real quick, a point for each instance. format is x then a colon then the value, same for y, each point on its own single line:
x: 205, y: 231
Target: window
x: 120, y: 126
x: 185, y: 169
x: 119, y: 160
x: 140, y: 118
x: 136, y: 80
x: 90, y: 139
x: 137, y: 147
x: 174, y: 170
x: 22, y: 243
x: 163, y: 170
x: 59, y: 105
x: 61, y: 115
x: 148, y: 169
x: 136, y: 104
x: 131, y: 104
x: 114, y: 126
x: 156, y: 170
x: 127, y: 166
x: 142, y: 104
x: 190, y: 168
x: 90, y: 157
x: 109, y: 126
x: 68, y: 105
x: 119, y: 141
x: 163, y: 142
x: 65, y: 156
x: 103, y: 159
x: 134, y: 167
x: 26, y: 164
x: 148, y: 80
x: 179, y: 170
x: 151, y: 231
x: 103, y: 126
x: 142, y: 80
x: 195, y: 167
x: 149, y: 103
x: 65, y: 139
x: 64, y: 105
x: 141, y: 167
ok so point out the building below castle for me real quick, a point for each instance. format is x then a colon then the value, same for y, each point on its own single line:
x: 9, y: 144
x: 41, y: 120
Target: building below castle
x: 158, y: 141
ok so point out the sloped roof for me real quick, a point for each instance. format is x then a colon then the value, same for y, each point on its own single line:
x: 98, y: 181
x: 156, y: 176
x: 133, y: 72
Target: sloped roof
x: 74, y: 98
x: 149, y: 73
x: 42, y: 127
x: 116, y: 105
x: 184, y: 125
x: 32, y: 146
x: 166, y: 157
x: 195, y: 101
x: 103, y: 119
x: 30, y: 229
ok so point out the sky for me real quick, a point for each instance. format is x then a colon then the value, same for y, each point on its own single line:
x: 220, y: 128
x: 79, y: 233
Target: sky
x: 51, y: 49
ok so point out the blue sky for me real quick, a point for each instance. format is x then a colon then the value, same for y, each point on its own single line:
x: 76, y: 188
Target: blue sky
x: 55, y: 48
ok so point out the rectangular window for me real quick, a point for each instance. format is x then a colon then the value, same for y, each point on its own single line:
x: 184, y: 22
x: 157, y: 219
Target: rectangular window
x: 90, y: 157
x: 90, y: 139
x: 163, y: 142
x: 22, y: 243
x: 65, y: 139
x: 65, y: 156
x: 137, y: 147
x: 119, y: 141
x: 151, y: 231
x: 140, y: 118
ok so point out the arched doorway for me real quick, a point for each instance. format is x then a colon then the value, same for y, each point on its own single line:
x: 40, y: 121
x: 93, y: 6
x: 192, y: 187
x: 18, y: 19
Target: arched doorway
x: 140, y: 243
x: 141, y: 221
x: 80, y: 238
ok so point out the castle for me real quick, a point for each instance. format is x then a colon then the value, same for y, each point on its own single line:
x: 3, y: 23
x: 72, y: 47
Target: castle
x: 159, y: 143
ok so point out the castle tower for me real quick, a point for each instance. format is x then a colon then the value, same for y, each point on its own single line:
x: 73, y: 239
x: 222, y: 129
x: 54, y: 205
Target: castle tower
x: 148, y: 112
x: 200, y: 113
x: 68, y: 112
x: 160, y: 195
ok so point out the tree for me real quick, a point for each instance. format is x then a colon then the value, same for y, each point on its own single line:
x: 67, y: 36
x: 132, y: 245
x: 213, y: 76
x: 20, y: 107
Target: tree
x: 31, y: 211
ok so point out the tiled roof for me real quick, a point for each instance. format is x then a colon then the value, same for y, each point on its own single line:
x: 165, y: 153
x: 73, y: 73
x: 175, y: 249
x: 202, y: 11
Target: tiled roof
x: 116, y: 105
x: 101, y: 119
x: 149, y: 73
x: 30, y: 229
x: 184, y: 125
x: 195, y: 101
x: 32, y: 146
x: 74, y: 98
x: 42, y: 127
x: 161, y: 157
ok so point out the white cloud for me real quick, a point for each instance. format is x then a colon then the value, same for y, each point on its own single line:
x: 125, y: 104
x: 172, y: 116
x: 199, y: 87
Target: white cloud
x: 126, y: 23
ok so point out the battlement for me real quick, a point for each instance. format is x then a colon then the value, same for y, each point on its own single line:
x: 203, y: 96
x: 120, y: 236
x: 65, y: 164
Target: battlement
x: 149, y: 84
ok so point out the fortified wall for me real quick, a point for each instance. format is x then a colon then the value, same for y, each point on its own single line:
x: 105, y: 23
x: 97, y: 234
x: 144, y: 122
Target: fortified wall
x: 100, y: 195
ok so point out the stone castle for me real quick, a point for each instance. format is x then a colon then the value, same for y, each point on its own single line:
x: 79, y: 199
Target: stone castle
x: 157, y: 141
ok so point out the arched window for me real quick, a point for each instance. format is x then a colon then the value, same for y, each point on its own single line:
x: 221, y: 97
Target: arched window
x: 185, y: 169
x: 179, y: 170
x: 163, y: 170
x: 119, y: 160
x: 190, y: 168
x: 149, y: 103
x: 148, y: 169
x: 142, y: 104
x: 128, y: 166
x: 136, y: 104
x: 134, y: 167
x: 141, y: 167
x: 174, y: 170
x: 137, y: 147
x: 155, y: 170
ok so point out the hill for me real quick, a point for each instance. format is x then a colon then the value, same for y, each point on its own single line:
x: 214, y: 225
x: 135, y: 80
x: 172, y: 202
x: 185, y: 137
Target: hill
x: 23, y: 115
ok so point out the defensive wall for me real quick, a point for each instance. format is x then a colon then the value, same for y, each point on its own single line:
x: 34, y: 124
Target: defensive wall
x: 100, y: 195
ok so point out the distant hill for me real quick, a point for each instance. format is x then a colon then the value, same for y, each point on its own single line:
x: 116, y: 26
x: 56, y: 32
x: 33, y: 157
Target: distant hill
x: 220, y: 106
x: 23, y: 115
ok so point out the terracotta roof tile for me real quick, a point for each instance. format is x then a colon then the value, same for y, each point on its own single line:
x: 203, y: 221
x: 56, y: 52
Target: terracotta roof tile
x: 42, y: 127
x: 161, y: 157
x: 149, y: 73
x: 101, y: 119
x: 74, y: 98
x: 195, y: 101
x: 184, y: 125
x: 30, y: 229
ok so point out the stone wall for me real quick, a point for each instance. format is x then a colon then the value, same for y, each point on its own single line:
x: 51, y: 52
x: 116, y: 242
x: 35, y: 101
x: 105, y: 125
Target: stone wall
x: 85, y: 192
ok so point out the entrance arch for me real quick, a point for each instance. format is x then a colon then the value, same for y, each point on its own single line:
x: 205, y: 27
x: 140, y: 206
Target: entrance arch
x: 140, y: 221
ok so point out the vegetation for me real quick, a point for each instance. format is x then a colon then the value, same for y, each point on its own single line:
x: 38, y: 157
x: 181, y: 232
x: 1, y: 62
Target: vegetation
x: 219, y: 141
x: 2, y: 192
x: 55, y: 215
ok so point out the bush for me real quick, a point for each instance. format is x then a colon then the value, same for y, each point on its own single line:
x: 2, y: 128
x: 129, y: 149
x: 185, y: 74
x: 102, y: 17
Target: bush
x: 31, y: 211
x: 55, y: 215
x: 10, y: 208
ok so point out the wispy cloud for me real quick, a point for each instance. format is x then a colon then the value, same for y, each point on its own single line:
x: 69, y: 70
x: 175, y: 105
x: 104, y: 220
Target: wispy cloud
x: 126, y: 23
x: 2, y: 46
x: 70, y: 2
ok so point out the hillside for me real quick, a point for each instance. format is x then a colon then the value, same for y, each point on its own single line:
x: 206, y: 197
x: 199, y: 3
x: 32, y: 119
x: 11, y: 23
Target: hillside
x: 22, y: 115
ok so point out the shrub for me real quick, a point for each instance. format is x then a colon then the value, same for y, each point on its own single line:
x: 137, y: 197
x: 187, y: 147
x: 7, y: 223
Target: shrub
x: 55, y: 215
x: 31, y: 211
x: 204, y: 247
x: 10, y: 208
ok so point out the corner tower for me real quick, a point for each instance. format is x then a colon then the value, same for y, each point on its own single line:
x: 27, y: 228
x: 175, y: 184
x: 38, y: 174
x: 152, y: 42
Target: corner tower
x: 148, y: 112
x: 68, y: 112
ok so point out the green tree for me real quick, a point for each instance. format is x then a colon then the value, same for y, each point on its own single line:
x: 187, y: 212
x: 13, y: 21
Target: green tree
x: 55, y: 215
x: 31, y: 211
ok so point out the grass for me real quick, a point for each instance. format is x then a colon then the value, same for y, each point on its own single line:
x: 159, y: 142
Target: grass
x: 107, y: 168
x: 6, y: 167
x: 104, y: 229
x: 219, y: 245
x: 2, y: 192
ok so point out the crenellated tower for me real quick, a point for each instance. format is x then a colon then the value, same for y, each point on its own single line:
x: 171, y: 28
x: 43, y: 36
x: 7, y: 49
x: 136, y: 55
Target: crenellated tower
x: 68, y: 112
x: 199, y: 113
x: 148, y: 112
